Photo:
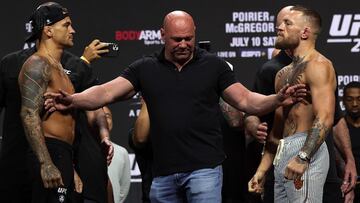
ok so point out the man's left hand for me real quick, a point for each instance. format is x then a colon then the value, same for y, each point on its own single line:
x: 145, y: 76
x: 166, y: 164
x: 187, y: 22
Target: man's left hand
x: 350, y: 177
x: 295, y: 168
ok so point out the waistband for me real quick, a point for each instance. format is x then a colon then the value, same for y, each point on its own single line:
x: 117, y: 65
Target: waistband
x: 58, y: 143
x: 295, y: 136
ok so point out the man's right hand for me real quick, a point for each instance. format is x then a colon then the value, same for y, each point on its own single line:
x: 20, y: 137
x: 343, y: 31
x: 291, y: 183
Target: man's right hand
x: 291, y: 94
x: 94, y: 50
x: 58, y: 101
x: 256, y: 129
x: 50, y: 176
x: 261, y: 132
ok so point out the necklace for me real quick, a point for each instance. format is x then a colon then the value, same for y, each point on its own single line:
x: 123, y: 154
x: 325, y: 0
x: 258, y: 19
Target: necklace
x: 54, y: 61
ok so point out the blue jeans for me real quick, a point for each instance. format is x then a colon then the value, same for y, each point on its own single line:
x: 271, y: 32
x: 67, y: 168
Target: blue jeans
x: 198, y: 186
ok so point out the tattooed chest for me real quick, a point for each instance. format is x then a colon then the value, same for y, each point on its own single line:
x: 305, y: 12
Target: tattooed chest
x: 292, y: 74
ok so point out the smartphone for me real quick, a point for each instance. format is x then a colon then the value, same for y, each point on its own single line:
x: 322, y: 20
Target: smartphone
x: 113, y: 50
x: 205, y: 45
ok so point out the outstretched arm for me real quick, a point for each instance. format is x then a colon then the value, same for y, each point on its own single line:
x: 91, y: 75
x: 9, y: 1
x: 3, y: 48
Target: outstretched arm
x: 253, y: 103
x: 92, y: 98
x: 33, y: 81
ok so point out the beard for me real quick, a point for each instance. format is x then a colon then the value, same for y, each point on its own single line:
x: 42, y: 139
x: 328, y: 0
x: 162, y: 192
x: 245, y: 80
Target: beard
x: 285, y: 43
x: 353, y: 115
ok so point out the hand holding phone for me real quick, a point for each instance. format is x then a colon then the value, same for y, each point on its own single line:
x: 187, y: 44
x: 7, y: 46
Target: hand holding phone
x: 113, y: 49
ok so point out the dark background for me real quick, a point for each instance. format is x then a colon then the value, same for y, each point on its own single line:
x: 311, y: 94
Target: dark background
x: 101, y: 19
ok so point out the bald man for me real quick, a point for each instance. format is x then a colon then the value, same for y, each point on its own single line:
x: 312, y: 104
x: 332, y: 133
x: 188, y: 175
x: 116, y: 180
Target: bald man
x: 181, y: 86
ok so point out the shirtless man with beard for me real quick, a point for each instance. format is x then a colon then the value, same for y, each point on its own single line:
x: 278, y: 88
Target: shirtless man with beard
x: 302, y: 160
x: 50, y: 135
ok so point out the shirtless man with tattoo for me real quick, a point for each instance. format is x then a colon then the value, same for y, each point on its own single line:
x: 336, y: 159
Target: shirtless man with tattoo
x: 302, y: 160
x: 50, y: 135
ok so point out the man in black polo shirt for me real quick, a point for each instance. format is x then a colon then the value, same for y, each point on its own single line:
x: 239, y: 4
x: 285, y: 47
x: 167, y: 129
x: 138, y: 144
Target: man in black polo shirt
x: 181, y: 87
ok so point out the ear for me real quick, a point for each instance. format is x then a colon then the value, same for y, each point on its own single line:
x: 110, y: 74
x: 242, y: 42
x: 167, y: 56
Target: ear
x: 48, y: 31
x: 305, y: 33
x: 162, y: 31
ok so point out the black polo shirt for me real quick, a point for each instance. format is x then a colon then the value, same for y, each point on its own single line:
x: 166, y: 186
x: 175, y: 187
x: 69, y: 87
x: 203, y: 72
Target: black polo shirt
x: 183, y: 108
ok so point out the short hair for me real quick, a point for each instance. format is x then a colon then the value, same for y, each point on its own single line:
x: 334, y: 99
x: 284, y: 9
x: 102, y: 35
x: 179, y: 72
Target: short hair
x: 353, y: 84
x: 312, y: 16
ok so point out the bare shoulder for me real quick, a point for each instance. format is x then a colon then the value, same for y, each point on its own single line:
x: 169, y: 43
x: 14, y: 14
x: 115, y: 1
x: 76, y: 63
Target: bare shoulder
x: 36, y: 67
x: 320, y: 69
x: 318, y: 66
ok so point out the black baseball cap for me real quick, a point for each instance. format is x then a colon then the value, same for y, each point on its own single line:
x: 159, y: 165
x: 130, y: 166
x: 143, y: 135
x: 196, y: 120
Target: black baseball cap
x: 46, y: 14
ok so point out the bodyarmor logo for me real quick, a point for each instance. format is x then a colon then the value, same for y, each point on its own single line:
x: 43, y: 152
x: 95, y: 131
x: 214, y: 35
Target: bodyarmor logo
x: 150, y: 37
x: 345, y: 28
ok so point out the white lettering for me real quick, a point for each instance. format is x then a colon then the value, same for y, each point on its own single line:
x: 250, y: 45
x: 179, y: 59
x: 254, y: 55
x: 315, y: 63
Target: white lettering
x: 134, y: 112
x: 355, y: 28
x: 249, y: 27
x: 356, y: 48
x: 268, y: 41
x: 250, y: 16
x: 134, y: 169
x: 239, y: 42
x: 335, y: 29
x: 150, y: 35
x: 249, y: 54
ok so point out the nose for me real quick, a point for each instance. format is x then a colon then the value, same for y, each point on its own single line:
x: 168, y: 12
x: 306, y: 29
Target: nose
x: 280, y: 27
x: 355, y: 103
x: 182, y: 43
x: 72, y: 31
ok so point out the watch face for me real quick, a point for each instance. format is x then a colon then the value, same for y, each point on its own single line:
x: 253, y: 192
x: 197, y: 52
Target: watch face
x: 303, y: 156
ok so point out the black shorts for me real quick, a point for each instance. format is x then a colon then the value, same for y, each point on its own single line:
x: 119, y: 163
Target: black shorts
x: 61, y: 154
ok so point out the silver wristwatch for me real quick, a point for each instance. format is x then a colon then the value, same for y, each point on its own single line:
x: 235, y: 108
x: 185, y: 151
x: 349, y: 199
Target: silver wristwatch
x: 303, y: 156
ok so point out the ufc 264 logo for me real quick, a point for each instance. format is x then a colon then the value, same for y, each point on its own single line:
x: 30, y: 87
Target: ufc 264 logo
x: 345, y: 28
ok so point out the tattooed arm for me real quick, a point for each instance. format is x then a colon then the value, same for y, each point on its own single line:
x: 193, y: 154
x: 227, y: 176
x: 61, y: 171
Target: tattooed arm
x: 321, y: 79
x: 233, y: 117
x: 322, y: 83
x: 33, y: 81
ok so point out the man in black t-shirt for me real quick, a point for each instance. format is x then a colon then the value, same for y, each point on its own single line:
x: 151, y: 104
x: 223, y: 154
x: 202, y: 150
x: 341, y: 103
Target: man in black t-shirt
x: 351, y: 101
x: 181, y: 87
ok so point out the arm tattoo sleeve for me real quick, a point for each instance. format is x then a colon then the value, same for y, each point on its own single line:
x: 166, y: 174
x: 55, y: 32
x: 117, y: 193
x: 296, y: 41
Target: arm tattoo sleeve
x: 233, y: 116
x: 316, y: 137
x: 33, y: 81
